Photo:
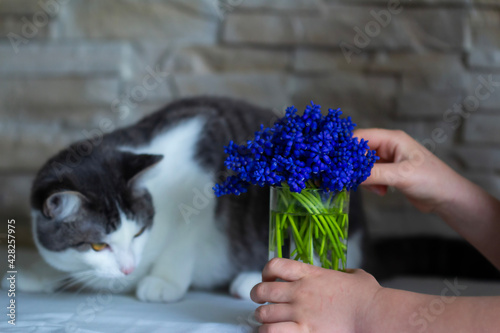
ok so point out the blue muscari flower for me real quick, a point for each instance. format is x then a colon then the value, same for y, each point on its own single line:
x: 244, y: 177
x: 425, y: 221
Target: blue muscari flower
x: 297, y: 150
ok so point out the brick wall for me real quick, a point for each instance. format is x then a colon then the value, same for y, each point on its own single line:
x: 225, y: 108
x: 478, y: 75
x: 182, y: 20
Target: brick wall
x: 73, y: 67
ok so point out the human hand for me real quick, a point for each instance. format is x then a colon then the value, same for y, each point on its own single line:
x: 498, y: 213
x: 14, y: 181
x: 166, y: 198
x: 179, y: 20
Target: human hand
x: 424, y: 179
x: 314, y: 299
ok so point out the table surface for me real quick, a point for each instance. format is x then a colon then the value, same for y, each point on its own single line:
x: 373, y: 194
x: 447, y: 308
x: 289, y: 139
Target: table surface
x: 197, y: 312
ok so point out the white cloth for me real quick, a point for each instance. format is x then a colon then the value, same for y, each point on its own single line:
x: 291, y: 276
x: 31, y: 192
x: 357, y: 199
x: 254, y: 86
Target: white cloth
x: 198, y: 312
x: 91, y: 313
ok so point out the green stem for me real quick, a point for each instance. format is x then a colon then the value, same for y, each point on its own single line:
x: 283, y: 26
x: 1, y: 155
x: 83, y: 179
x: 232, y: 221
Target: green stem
x: 323, y: 229
x: 278, y: 238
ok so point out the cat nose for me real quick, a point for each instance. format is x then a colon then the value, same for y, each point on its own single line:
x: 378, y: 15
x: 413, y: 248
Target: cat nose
x: 127, y: 270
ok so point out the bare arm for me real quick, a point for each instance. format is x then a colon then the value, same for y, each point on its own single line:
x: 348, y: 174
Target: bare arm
x: 475, y: 215
x: 320, y: 300
x: 402, y: 311
x: 432, y: 186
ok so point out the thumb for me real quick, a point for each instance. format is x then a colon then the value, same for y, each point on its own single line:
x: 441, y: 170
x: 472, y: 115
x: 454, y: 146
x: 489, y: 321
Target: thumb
x: 384, y: 174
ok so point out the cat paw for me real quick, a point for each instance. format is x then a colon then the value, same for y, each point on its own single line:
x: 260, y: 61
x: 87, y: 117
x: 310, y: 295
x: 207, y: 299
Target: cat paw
x: 155, y: 289
x: 243, y: 284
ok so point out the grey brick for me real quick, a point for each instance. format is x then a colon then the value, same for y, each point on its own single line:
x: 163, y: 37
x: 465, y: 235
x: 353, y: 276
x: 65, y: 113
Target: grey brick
x: 456, y: 82
x: 165, y: 21
x: 12, y: 30
x: 484, y: 18
x: 429, y: 71
x: 479, y: 158
x: 307, y: 60
x: 439, y: 133
x: 262, y: 89
x: 430, y: 104
x: 487, y: 85
x: 30, y: 136
x: 484, y: 30
x: 436, y: 73
x: 490, y: 182
x: 393, y: 216
x: 415, y: 29
x: 369, y: 100
x: 14, y: 204
x: 14, y: 193
x: 66, y: 58
x: 136, y: 93
x: 406, y: 3
x: 413, y: 62
x: 480, y: 128
x: 19, y: 6
x: 490, y: 3
x: 75, y: 118
x: 484, y: 59
x: 282, y: 5
x: 216, y: 59
x: 259, y: 29
x: 63, y: 91
x: 28, y: 145
x: 485, y: 38
x: 402, y: 221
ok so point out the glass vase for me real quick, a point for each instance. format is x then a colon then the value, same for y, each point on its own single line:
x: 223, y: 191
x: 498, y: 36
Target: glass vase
x: 310, y: 226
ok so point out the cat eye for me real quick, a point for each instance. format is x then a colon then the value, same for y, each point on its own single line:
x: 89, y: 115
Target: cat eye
x: 140, y: 232
x: 98, y: 246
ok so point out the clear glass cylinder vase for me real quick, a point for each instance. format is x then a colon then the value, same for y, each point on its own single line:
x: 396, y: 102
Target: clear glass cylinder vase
x: 310, y: 226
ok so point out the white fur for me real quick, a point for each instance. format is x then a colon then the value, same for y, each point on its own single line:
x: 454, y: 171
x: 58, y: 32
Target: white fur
x: 243, y: 284
x: 124, y: 252
x: 187, y: 247
x: 101, y: 268
x: 184, y: 246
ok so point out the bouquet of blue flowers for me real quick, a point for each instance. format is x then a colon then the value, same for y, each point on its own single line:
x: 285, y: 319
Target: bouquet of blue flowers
x: 308, y: 151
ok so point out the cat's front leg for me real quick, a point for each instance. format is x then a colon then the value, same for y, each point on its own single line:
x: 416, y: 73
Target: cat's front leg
x: 169, y: 279
x: 39, y: 277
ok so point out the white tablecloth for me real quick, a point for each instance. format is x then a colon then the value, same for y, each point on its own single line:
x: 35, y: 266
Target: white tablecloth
x: 197, y: 312
x: 86, y: 313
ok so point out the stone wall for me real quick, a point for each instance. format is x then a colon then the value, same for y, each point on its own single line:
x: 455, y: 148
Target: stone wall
x: 71, y: 68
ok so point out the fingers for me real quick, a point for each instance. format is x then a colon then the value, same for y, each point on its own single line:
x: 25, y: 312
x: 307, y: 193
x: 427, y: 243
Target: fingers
x: 377, y: 189
x: 385, y: 142
x: 276, y: 292
x: 274, y: 313
x: 385, y: 174
x: 285, y: 269
x: 286, y: 327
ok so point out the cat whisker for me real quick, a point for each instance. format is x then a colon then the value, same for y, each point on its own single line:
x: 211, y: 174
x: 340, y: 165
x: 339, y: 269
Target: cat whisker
x: 87, y: 283
x: 74, y: 279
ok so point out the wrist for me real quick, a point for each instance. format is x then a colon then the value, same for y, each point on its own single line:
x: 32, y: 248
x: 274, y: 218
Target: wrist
x: 368, y: 316
x: 452, y: 192
x: 458, y: 197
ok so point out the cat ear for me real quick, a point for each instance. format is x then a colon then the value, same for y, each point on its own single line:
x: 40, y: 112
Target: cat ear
x: 62, y: 205
x: 135, y: 166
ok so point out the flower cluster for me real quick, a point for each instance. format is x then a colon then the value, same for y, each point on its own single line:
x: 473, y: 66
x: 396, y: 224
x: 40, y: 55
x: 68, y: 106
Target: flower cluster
x: 300, y: 151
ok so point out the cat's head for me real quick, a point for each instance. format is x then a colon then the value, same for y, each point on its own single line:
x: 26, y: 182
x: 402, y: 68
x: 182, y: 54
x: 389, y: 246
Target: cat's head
x: 95, y: 214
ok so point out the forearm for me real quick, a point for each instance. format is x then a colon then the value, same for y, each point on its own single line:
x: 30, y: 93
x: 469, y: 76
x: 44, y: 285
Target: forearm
x: 402, y: 311
x: 475, y: 215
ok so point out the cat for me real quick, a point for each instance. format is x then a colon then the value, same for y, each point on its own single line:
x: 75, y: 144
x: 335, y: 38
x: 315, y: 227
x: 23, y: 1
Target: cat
x: 134, y: 210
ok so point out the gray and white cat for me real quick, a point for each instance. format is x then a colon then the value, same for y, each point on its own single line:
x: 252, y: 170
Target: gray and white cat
x: 135, y: 210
